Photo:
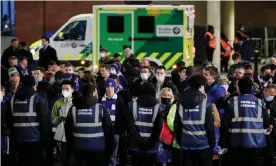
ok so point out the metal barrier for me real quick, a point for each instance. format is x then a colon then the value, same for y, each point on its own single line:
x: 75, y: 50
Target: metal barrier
x: 270, y: 45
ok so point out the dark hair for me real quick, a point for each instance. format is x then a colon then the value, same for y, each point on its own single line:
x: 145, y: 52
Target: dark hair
x: 58, y: 75
x: 272, y: 66
x: 81, y: 69
x: 161, y: 67
x: 64, y: 63
x: 68, y: 65
x: 13, y: 40
x: 89, y: 76
x: 67, y: 82
x: 113, y: 76
x: 107, y: 67
x: 236, y: 56
x: 41, y: 69
x: 116, y: 55
x: 23, y: 44
x: 271, y: 86
x: 247, y: 67
x: 190, y: 71
x: 147, y: 89
x: 245, y: 85
x: 46, y: 38
x: 88, y: 89
x: 180, y: 64
x: 52, y: 63
x: 181, y: 68
x: 266, y: 67
x: 196, y: 81
x: 213, y: 70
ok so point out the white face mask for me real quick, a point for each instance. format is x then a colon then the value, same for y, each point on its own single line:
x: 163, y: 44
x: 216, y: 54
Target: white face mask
x: 102, y: 54
x: 113, y: 71
x: 66, y: 94
x: 160, y: 79
x: 269, y: 98
x: 52, y: 81
x: 144, y: 76
x: 39, y: 79
x: 225, y: 87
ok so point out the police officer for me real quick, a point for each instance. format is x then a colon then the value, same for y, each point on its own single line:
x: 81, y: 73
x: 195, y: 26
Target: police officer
x: 89, y: 130
x: 194, y: 124
x: 147, y: 123
x: 243, y: 127
x: 31, y: 127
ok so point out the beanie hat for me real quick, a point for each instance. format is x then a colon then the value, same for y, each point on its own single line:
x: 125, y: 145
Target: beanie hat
x: 28, y: 81
x: 110, y: 82
x: 115, y: 66
x: 12, y: 71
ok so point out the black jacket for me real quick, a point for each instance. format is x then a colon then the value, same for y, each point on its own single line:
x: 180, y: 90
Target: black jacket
x: 189, y: 100
x: 45, y: 56
x: 168, y: 84
x: 9, y: 52
x: 83, y: 103
x: 136, y: 139
x: 42, y: 112
x: 28, y: 55
x: 272, y: 118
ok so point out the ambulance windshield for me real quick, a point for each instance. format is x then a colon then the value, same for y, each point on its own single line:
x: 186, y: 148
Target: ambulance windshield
x: 73, y: 31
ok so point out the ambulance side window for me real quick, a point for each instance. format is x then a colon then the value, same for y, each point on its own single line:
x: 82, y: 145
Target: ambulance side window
x: 115, y: 24
x: 73, y: 31
x: 146, y: 24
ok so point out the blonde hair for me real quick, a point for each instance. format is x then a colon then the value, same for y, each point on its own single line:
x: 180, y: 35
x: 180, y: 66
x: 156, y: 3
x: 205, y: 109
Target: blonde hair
x: 166, y: 90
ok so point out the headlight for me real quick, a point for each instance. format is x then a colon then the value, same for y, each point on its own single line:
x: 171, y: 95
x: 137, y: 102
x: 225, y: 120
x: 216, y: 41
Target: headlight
x: 82, y: 62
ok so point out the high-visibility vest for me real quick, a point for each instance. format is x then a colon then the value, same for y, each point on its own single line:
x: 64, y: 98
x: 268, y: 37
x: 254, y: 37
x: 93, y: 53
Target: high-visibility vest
x: 247, y: 129
x: 144, y: 121
x: 88, y: 132
x: 25, y: 125
x: 194, y: 136
x: 212, y: 42
x: 237, y: 40
x: 227, y: 48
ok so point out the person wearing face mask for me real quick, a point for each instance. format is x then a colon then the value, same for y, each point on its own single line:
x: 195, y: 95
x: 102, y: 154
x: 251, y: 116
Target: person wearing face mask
x: 59, y: 114
x: 264, y: 78
x: 31, y: 128
x: 146, y: 76
x: 103, y: 57
x: 164, y: 81
x: 269, y: 94
x: 245, y: 124
x: 69, y: 75
x: 89, y: 129
x: 194, y: 124
x: 114, y: 69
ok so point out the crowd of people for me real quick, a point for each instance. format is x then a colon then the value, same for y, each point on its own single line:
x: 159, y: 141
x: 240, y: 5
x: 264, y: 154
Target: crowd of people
x: 52, y: 114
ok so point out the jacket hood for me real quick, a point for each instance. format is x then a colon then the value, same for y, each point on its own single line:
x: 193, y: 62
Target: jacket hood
x: 84, y: 102
x: 191, y: 98
x: 24, y: 92
x: 147, y: 101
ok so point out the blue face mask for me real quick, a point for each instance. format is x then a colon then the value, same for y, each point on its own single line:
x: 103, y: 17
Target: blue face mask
x: 269, y: 98
x: 67, y: 75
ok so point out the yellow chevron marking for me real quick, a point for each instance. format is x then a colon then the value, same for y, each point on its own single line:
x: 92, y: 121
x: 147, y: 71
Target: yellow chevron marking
x: 122, y: 60
x: 67, y: 56
x: 141, y: 55
x: 121, y: 53
x: 165, y: 56
x: 108, y: 53
x: 173, y: 60
x: 35, y: 56
x: 78, y: 57
x: 89, y: 57
x: 154, y: 55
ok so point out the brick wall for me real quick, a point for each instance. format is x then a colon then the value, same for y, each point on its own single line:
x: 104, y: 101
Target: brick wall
x: 32, y: 18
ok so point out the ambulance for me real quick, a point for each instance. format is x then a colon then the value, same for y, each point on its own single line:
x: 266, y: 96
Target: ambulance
x: 161, y: 33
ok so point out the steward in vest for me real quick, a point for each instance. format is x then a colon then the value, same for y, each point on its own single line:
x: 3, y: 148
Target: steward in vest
x: 225, y: 52
x: 210, y: 43
x: 147, y: 117
x: 243, y: 126
x: 89, y: 130
x: 31, y: 128
x: 194, y: 124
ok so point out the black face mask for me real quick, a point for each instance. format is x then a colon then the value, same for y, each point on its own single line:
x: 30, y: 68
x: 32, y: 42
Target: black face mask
x: 166, y: 101
x: 266, y: 77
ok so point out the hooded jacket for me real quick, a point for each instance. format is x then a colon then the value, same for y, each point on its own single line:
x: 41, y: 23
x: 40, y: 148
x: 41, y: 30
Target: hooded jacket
x: 189, y: 100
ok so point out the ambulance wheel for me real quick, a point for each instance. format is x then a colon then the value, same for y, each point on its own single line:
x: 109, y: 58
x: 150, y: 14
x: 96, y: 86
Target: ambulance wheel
x: 153, y: 66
